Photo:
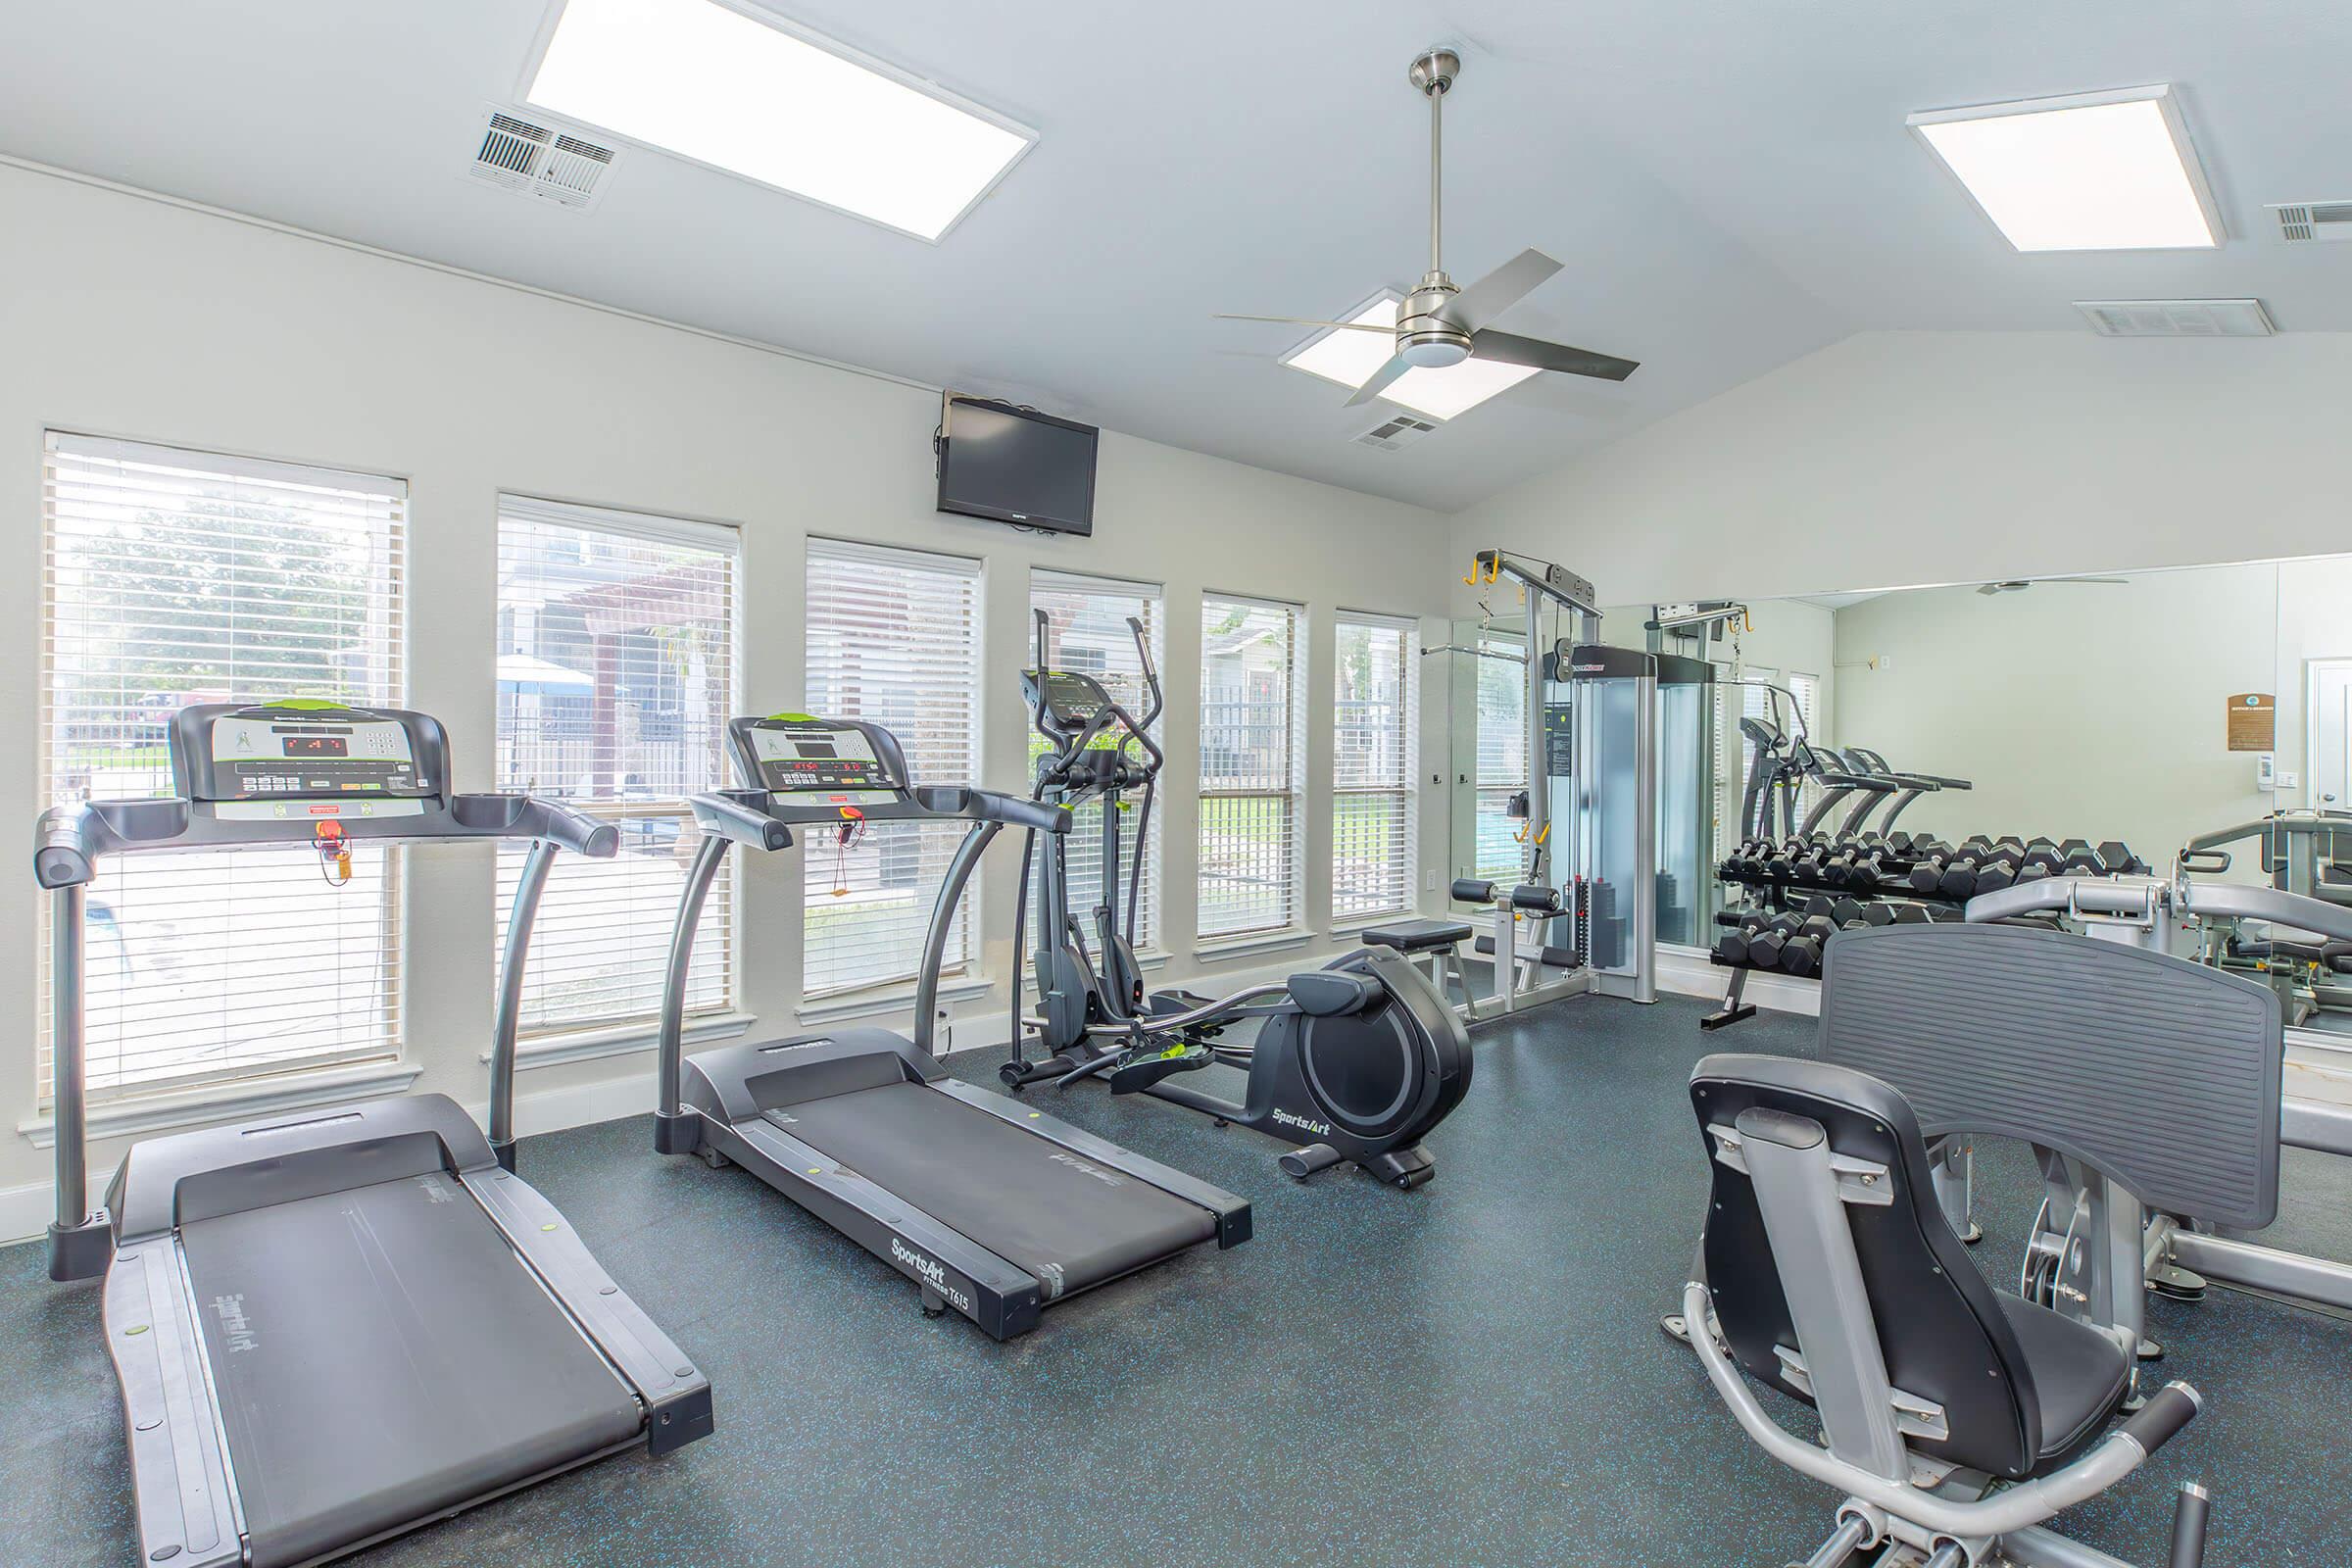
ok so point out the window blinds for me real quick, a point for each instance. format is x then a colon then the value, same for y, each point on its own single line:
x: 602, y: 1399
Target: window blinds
x: 1807, y: 689
x: 1250, y: 780
x: 1501, y: 757
x: 1373, y: 767
x: 172, y: 578
x: 617, y: 674
x: 1089, y: 619
x: 892, y: 638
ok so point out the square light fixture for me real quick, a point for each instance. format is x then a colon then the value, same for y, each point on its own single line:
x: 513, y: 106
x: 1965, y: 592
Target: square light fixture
x: 751, y: 95
x: 2094, y: 172
x: 1352, y: 357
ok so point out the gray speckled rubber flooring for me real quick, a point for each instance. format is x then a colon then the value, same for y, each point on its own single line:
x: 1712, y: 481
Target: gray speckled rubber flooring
x: 1467, y: 1374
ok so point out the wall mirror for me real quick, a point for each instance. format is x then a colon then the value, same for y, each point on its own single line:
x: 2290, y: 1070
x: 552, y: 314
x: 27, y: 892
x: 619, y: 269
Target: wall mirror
x: 2148, y: 709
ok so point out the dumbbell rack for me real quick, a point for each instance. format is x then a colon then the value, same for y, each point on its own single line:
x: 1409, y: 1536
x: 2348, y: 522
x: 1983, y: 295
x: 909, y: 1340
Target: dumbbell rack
x: 1875, y: 880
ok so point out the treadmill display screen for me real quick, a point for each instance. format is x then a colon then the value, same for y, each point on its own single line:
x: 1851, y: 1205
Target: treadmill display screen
x: 804, y: 758
x: 265, y: 758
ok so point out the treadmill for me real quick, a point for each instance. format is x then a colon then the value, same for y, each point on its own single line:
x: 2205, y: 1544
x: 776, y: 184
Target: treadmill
x: 996, y: 1210
x: 332, y: 1326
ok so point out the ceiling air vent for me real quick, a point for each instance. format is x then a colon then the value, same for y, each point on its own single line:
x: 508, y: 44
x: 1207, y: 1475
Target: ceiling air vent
x: 531, y: 158
x: 1397, y: 430
x: 2176, y: 317
x: 2302, y: 222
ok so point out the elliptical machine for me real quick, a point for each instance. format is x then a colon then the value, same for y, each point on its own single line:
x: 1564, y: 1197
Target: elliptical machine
x: 1354, y: 1061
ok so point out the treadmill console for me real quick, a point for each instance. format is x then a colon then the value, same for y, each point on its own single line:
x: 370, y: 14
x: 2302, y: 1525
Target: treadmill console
x: 267, y: 755
x: 844, y: 761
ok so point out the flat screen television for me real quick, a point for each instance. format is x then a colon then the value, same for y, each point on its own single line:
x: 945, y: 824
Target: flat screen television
x: 1017, y: 466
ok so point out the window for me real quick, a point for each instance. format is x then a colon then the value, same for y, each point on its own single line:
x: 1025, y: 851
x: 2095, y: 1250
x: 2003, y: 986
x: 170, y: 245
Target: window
x: 1725, y: 702
x: 1089, y: 617
x: 1757, y: 702
x: 180, y: 577
x: 894, y: 639
x: 1373, y: 767
x: 1251, y: 779
x: 1807, y: 689
x: 616, y: 660
x: 1501, y: 757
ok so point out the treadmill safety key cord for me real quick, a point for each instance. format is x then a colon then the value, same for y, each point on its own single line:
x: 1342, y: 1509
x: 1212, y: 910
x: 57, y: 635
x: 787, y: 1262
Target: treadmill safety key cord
x: 334, y: 850
x: 845, y: 839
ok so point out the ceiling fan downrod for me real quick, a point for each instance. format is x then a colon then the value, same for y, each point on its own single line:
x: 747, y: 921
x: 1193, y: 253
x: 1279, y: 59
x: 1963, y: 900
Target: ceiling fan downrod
x: 1425, y: 334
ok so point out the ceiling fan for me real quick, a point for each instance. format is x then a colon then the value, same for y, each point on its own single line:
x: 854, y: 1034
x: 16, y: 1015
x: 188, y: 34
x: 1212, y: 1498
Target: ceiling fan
x: 2017, y: 585
x: 1443, y: 324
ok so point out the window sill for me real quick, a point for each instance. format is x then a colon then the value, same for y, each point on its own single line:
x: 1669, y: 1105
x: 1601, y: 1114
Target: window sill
x: 898, y: 999
x: 1254, y: 942
x: 139, y: 1115
x: 621, y: 1039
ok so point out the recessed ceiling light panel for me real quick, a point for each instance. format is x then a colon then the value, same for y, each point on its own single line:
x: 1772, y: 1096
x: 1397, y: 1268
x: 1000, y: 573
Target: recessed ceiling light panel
x: 751, y: 95
x: 1352, y: 358
x: 2096, y: 172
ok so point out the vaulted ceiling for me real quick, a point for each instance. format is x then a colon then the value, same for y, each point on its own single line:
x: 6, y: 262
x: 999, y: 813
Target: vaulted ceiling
x: 1730, y: 185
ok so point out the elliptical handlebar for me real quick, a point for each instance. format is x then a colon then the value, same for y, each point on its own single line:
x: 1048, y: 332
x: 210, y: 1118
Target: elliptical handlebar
x: 1071, y: 743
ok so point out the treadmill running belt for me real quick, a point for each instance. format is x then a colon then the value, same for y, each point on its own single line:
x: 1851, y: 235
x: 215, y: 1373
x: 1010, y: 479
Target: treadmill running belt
x: 381, y: 1354
x: 1067, y: 1221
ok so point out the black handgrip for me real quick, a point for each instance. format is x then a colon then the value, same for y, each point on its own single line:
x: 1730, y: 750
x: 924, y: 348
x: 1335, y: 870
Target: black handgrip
x: 2189, y: 1526
x: 2161, y: 1419
x: 740, y: 820
x: 987, y: 806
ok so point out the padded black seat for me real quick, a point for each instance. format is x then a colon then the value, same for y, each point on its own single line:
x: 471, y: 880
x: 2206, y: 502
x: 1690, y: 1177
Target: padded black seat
x: 2023, y: 1388
x: 1417, y: 936
x: 2079, y: 1375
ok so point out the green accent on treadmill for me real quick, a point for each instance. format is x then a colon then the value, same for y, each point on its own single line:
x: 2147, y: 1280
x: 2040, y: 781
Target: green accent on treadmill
x: 792, y: 719
x: 309, y: 705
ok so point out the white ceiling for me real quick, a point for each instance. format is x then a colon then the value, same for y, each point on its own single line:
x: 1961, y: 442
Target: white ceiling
x: 1729, y: 184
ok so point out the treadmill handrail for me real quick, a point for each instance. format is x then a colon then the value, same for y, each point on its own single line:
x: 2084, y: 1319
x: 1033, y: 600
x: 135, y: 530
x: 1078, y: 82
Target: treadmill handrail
x: 762, y: 819
x: 758, y: 816
x: 70, y: 840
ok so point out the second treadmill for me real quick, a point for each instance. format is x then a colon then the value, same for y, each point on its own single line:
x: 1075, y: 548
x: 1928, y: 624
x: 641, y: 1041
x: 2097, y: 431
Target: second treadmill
x: 996, y: 1210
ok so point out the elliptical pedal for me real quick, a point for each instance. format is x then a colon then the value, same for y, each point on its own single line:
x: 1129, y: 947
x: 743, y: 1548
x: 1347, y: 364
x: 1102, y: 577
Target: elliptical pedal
x: 1138, y: 1073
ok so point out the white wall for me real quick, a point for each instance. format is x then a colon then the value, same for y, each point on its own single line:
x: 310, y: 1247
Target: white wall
x: 2088, y: 711
x: 137, y: 317
x: 1899, y: 459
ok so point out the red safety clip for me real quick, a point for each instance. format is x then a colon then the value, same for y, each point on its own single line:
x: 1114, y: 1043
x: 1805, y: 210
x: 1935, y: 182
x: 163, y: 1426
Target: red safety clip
x: 334, y: 847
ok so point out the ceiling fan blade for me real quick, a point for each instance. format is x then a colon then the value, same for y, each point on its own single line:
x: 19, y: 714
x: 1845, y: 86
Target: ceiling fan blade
x: 1380, y: 382
x: 1508, y: 348
x: 1514, y: 280
x: 1300, y: 321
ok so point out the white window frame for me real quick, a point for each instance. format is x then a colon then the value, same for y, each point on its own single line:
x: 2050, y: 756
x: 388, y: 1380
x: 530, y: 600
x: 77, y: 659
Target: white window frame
x: 1086, y: 831
x: 1407, y: 790
x: 76, y: 473
x: 546, y: 1025
x: 964, y: 946
x: 1291, y: 791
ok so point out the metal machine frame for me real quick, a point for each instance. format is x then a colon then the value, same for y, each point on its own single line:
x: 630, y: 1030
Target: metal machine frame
x: 2098, y: 1242
x: 1566, y: 741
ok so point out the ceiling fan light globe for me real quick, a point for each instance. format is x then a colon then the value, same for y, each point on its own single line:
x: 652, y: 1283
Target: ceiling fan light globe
x: 1433, y: 351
